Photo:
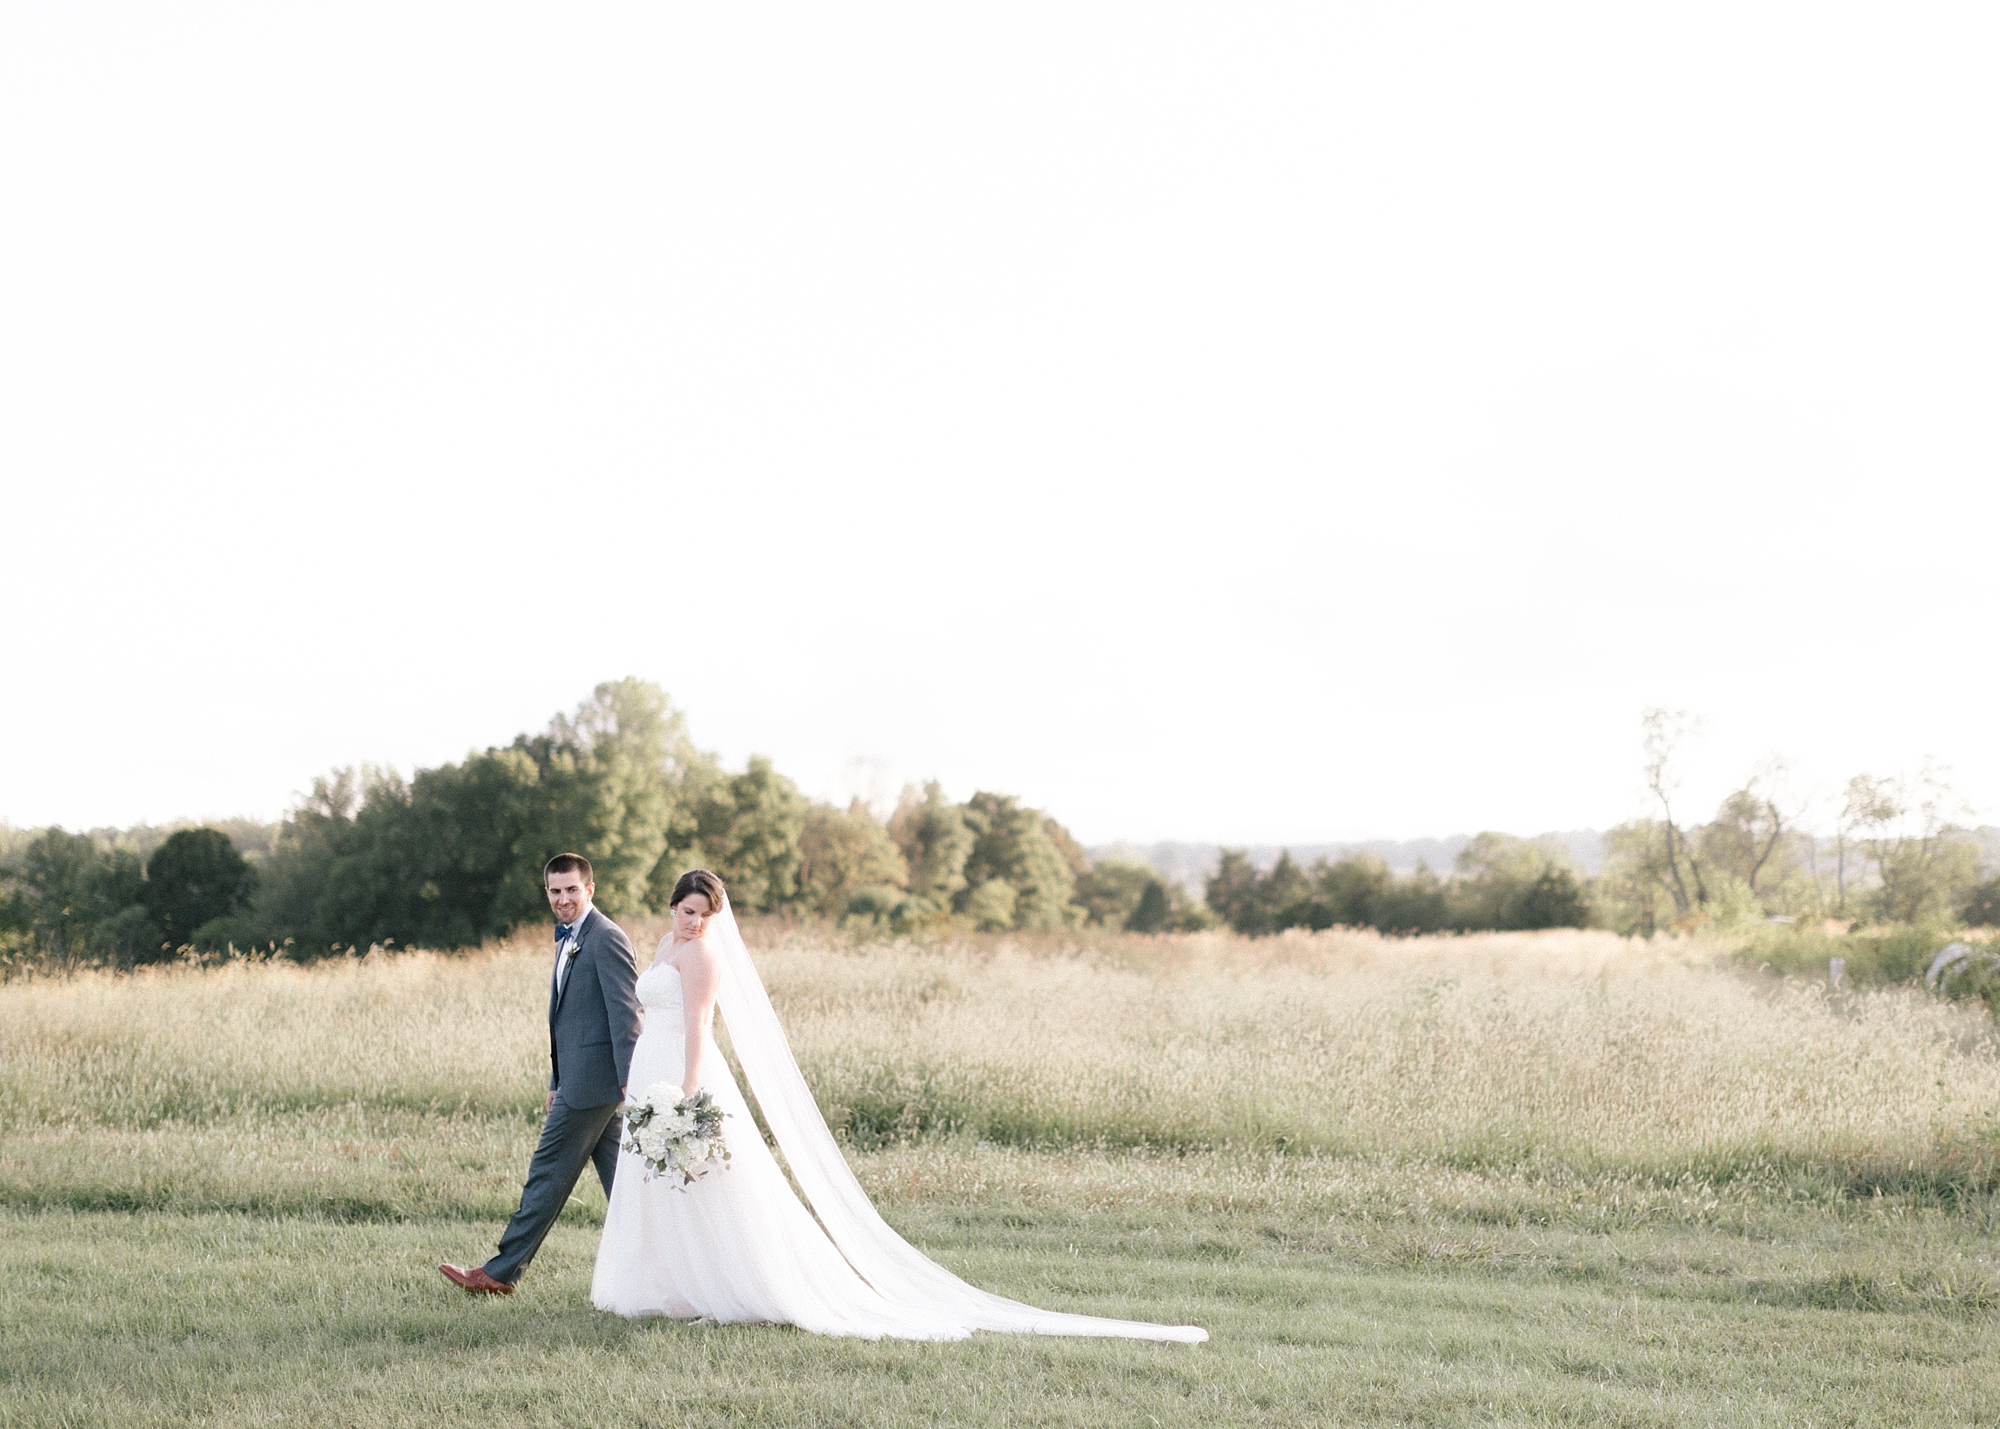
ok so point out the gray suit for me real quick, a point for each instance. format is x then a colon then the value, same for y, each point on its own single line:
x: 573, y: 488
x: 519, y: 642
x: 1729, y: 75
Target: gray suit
x: 593, y: 1024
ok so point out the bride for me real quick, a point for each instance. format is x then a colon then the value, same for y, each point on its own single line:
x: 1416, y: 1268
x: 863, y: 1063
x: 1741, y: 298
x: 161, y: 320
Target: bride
x: 737, y: 1244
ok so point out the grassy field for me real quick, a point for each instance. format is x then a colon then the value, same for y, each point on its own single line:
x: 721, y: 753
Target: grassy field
x: 1514, y: 1179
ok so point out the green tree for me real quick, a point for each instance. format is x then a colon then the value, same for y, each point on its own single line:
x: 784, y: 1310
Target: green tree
x: 1231, y: 892
x: 477, y: 836
x: 193, y: 878
x: 377, y: 884
x: 1013, y: 844
x: 1747, y: 837
x: 16, y: 914
x: 1495, y: 873
x: 77, y: 899
x: 991, y: 905
x: 1347, y: 892
x: 842, y: 852
x: 1927, y: 879
x: 1154, y: 912
x: 1111, y: 892
x: 1749, y: 860
x: 935, y: 841
x: 1118, y: 893
x: 295, y: 890
x: 748, y: 829
x: 444, y: 861
x: 622, y: 784
x: 454, y: 855
x: 1359, y: 891
x: 1420, y: 903
x: 1554, y: 900
x: 1634, y: 881
x: 1869, y: 810
x: 1073, y: 853
x: 1925, y: 864
x: 1356, y: 892
x: 1663, y: 733
x: 1981, y: 908
x: 1285, y: 896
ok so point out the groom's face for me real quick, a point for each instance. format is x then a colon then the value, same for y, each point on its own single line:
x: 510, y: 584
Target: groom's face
x: 567, y: 894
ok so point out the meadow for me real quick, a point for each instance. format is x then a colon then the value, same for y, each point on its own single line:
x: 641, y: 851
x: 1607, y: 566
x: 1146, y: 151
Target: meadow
x: 1504, y: 1178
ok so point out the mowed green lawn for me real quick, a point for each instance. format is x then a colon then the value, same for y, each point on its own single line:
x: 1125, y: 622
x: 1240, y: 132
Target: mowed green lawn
x: 1799, y: 1316
x: 192, y: 1234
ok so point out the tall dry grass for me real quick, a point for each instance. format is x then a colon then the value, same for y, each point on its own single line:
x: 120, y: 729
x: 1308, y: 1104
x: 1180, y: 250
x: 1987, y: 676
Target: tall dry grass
x: 1570, y: 1048
x: 1553, y: 1051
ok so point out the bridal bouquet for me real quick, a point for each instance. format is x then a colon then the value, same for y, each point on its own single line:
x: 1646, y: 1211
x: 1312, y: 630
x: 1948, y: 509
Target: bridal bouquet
x: 673, y: 1132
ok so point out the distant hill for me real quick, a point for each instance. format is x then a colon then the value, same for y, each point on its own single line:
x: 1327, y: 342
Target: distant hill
x: 1191, y: 864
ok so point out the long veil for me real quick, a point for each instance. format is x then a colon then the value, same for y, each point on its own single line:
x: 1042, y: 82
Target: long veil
x: 897, y: 1270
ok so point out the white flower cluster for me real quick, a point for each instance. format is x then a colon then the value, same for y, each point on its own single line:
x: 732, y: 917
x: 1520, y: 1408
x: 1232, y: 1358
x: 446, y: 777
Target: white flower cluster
x: 674, y: 1132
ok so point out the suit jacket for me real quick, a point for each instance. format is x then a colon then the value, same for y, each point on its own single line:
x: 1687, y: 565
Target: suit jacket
x: 594, y: 1021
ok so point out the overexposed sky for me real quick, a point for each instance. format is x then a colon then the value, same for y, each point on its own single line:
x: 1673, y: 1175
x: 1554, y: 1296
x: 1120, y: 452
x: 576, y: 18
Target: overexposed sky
x: 1244, y: 422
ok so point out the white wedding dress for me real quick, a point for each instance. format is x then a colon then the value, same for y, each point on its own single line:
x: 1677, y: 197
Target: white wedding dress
x: 738, y: 1245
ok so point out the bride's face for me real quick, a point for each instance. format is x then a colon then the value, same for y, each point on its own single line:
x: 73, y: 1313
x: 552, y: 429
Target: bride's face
x: 691, y: 917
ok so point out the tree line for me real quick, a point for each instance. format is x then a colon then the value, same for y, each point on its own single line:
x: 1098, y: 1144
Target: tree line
x: 1898, y: 854
x: 451, y: 857
x: 1501, y: 882
x: 1899, y: 851
x: 67, y: 897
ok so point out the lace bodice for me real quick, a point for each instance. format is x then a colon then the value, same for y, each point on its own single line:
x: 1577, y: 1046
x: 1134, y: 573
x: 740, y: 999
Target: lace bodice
x: 660, y: 990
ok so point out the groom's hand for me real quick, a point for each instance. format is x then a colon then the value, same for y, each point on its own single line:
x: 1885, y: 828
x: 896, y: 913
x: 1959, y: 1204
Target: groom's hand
x: 550, y: 1102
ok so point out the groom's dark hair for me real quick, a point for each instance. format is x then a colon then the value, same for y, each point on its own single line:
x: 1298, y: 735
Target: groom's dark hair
x: 570, y: 863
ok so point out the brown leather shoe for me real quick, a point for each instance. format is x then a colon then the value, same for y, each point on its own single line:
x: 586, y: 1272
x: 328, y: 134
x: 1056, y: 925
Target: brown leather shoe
x: 476, y: 1280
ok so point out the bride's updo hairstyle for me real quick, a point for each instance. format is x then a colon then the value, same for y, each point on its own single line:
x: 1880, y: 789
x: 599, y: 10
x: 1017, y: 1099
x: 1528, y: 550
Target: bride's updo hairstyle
x: 699, y: 880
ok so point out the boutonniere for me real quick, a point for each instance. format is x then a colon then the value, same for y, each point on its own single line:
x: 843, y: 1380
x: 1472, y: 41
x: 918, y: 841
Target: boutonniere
x: 575, y: 946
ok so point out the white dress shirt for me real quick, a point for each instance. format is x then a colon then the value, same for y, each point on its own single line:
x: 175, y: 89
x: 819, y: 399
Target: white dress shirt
x: 562, y: 948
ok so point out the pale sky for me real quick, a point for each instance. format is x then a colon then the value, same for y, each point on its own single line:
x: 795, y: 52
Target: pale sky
x: 1236, y: 421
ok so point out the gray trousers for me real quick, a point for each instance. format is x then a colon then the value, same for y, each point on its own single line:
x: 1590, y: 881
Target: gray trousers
x: 572, y: 1138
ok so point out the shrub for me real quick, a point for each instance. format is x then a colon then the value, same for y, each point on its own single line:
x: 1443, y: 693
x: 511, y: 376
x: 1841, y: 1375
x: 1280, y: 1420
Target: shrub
x: 1981, y: 908
x: 1874, y: 956
x: 870, y: 908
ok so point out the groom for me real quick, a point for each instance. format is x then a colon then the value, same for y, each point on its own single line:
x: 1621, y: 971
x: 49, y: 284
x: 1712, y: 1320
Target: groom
x: 594, y: 1018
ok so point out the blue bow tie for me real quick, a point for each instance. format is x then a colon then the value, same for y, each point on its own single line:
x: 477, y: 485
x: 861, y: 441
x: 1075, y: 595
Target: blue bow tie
x: 563, y: 931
